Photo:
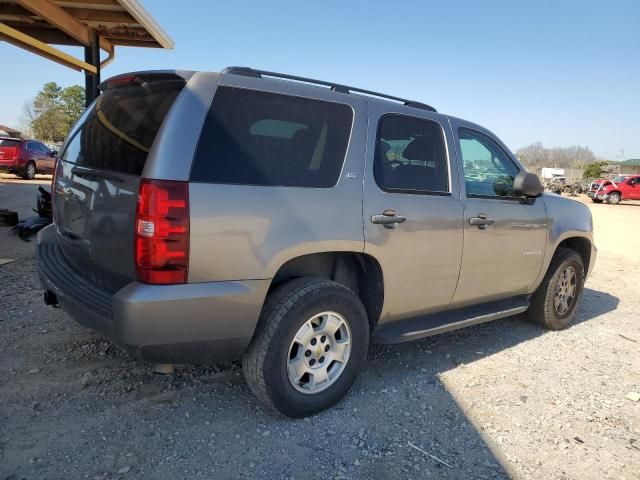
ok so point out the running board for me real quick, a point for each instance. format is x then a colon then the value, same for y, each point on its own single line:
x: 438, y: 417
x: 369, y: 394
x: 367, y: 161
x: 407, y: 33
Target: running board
x: 436, y: 323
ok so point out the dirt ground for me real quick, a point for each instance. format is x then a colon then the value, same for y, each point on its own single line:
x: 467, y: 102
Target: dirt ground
x: 503, y: 399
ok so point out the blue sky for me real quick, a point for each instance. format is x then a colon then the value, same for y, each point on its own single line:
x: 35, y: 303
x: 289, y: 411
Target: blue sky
x: 561, y: 72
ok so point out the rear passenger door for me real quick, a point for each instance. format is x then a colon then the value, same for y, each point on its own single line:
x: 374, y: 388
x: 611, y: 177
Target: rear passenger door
x: 412, y: 210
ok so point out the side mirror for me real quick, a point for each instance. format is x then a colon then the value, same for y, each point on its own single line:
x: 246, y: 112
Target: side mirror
x: 54, y: 153
x: 527, y: 184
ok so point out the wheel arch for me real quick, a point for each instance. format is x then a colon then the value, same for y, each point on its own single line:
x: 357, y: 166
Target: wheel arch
x: 357, y: 271
x: 581, y: 245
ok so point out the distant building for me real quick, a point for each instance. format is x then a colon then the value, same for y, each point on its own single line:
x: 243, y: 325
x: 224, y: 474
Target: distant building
x: 9, y: 132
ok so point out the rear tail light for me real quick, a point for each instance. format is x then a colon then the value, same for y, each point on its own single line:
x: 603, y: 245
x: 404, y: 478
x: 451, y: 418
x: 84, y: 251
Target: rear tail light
x: 162, y: 232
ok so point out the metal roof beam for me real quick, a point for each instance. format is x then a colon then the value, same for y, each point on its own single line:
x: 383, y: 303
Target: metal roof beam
x: 21, y: 40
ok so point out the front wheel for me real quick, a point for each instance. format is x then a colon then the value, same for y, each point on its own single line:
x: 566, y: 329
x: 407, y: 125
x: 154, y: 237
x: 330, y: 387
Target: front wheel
x: 311, y: 341
x: 554, y: 303
x: 595, y: 200
x: 614, y: 198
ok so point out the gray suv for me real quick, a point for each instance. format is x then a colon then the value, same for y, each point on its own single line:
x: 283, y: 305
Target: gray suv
x: 285, y: 221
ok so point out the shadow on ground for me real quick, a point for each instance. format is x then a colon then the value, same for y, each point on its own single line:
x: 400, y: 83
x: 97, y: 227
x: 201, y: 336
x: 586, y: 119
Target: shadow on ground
x: 74, y: 405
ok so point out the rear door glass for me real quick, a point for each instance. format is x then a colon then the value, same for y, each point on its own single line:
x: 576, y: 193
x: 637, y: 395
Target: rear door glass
x: 118, y: 132
x: 5, y: 142
x: 260, y: 138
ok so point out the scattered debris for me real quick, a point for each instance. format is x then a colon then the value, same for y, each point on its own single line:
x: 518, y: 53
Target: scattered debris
x: 578, y: 439
x: 633, y: 396
x: 162, y: 368
x: 4, y: 261
x: 433, y: 457
x: 627, y: 338
x: 32, y: 225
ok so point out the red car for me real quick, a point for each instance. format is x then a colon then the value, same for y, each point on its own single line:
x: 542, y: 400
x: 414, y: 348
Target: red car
x: 25, y: 157
x: 622, y: 187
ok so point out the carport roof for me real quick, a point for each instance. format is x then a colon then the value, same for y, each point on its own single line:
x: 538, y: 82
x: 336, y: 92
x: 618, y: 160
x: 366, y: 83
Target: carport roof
x: 35, y: 24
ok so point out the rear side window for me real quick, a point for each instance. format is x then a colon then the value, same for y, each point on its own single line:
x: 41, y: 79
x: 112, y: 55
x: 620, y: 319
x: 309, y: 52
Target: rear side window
x: 6, y: 142
x: 410, y: 156
x: 259, y: 138
x: 118, y: 132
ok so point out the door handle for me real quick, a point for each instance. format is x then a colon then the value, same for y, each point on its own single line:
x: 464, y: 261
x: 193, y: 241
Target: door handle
x: 481, y: 221
x: 389, y: 218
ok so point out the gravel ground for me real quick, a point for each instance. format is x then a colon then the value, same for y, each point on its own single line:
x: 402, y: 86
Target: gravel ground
x: 498, y: 400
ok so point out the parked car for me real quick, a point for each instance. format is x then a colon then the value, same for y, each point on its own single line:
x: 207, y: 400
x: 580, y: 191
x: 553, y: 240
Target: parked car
x: 622, y: 187
x: 25, y: 157
x: 258, y: 216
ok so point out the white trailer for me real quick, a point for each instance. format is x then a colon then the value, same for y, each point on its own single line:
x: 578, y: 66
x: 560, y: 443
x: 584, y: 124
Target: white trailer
x: 551, y: 173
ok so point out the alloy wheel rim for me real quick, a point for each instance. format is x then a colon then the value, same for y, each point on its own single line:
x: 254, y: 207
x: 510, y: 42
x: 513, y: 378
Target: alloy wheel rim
x: 566, y: 290
x: 319, y: 352
x: 31, y: 171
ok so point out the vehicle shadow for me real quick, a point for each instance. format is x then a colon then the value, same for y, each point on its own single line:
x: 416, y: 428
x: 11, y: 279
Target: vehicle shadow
x: 400, y: 420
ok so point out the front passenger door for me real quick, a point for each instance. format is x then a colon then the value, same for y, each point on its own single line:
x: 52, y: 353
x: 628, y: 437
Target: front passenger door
x: 633, y: 189
x: 504, y: 236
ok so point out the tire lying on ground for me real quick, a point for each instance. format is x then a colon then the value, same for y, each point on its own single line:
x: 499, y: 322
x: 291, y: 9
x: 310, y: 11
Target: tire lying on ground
x: 8, y: 218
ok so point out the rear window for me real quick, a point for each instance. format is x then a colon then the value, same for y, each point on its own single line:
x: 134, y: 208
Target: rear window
x: 259, y: 138
x: 6, y: 142
x: 118, y: 132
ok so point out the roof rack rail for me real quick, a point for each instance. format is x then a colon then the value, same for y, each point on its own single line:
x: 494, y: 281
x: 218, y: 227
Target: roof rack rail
x: 336, y: 87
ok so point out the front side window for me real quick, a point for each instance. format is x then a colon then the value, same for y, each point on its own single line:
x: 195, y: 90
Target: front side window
x: 260, y: 138
x: 410, y: 156
x: 488, y: 170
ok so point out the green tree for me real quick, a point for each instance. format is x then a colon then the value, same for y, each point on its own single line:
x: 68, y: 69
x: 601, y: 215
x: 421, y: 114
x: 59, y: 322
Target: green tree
x: 593, y: 170
x: 72, y: 103
x: 55, y: 110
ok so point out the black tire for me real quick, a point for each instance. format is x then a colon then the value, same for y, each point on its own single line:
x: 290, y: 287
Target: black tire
x: 29, y: 171
x: 595, y: 200
x: 285, y: 311
x: 614, y: 198
x: 543, y: 302
x: 8, y: 218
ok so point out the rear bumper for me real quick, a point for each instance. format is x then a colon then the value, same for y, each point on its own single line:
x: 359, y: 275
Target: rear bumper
x: 191, y: 323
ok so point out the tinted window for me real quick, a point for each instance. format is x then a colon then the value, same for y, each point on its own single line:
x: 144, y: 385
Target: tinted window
x: 118, y: 132
x: 410, y: 156
x: 40, y: 147
x: 7, y: 142
x: 259, y: 138
x: 488, y: 170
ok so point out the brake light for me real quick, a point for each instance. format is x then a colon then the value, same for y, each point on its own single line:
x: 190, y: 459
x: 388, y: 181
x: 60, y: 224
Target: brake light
x: 162, y: 232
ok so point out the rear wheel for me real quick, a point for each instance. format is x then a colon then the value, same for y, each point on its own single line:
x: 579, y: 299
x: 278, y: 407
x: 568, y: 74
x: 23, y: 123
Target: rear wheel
x: 614, y: 198
x: 554, y: 303
x: 595, y: 200
x: 310, y: 344
x: 29, y: 171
